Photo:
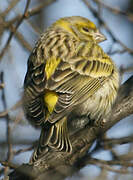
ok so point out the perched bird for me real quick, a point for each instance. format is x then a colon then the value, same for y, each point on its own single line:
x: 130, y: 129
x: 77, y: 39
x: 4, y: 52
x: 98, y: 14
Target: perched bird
x: 69, y: 76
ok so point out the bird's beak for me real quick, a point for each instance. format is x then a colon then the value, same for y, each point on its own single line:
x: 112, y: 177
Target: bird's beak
x: 99, y: 37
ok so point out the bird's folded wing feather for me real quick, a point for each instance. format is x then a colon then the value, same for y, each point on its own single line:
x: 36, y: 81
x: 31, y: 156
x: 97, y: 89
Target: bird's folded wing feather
x: 77, y: 80
x: 34, y: 85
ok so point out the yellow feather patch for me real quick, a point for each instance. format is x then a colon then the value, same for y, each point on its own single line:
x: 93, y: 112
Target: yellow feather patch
x: 51, y: 65
x: 91, y: 25
x: 64, y: 24
x: 50, y: 99
x: 88, y: 24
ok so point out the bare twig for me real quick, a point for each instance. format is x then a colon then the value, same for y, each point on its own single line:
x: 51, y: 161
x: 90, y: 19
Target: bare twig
x: 117, y: 141
x: 12, y: 33
x: 10, y: 7
x: 21, y: 39
x: 23, y: 150
x: 8, y: 129
x: 5, y: 112
x: 107, y: 165
x: 89, y: 160
x: 31, y: 12
x: 115, y: 10
x: 101, y: 21
x: 9, y: 164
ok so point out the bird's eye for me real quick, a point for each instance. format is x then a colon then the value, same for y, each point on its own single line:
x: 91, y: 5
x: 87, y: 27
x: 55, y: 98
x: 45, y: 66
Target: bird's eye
x: 85, y: 29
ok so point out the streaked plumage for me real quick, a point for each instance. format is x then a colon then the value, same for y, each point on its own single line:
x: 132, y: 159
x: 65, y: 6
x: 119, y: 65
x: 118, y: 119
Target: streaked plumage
x: 68, y: 76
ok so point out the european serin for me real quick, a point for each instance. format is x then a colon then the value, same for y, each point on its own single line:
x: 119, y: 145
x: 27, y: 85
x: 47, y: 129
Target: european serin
x: 69, y: 76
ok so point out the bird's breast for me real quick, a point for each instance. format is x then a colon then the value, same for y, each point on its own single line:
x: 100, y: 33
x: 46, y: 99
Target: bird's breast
x: 100, y: 103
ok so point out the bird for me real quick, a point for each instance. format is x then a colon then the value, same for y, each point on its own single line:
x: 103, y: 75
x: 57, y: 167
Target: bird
x: 69, y: 76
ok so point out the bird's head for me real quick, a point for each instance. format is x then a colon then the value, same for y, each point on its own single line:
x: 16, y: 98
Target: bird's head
x: 80, y: 27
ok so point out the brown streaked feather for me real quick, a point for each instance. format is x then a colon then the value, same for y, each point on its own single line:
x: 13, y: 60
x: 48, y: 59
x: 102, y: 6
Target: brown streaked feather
x: 63, y: 66
x: 34, y: 84
x: 83, y: 71
x: 88, y: 67
x: 54, y: 85
x: 60, y: 75
x: 56, y: 136
x: 92, y: 68
x: 80, y: 93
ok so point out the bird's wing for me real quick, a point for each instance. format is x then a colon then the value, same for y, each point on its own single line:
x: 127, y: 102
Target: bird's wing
x: 34, y: 85
x: 76, y: 80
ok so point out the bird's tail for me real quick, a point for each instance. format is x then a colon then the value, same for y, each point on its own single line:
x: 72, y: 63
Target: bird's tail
x: 54, y: 136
